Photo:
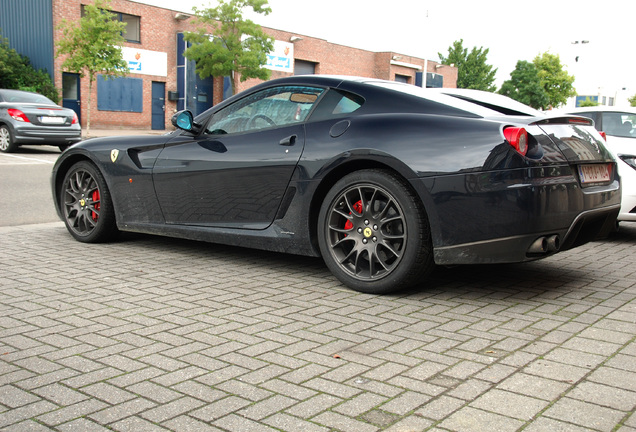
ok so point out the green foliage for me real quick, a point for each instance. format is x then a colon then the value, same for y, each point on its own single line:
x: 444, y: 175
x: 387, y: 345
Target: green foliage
x: 16, y: 72
x: 588, y: 103
x: 93, y: 45
x: 556, y: 82
x: 525, y: 86
x: 237, y: 45
x: 472, y: 70
x: 632, y: 101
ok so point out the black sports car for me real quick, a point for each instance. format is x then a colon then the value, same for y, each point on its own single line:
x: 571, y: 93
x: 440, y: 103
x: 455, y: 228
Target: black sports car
x: 383, y: 180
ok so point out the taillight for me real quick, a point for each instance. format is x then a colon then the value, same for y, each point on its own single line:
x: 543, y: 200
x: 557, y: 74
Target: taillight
x: 18, y: 115
x: 603, y: 134
x: 75, y: 119
x: 518, y: 138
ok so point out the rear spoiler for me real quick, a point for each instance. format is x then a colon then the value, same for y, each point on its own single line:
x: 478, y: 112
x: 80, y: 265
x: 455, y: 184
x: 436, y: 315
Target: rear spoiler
x: 568, y: 119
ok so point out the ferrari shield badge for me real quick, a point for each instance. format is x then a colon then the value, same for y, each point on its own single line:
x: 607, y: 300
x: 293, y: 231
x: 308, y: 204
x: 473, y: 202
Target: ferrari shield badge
x: 114, y: 153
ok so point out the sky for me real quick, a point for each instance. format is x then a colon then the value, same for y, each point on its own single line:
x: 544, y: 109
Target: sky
x: 511, y: 31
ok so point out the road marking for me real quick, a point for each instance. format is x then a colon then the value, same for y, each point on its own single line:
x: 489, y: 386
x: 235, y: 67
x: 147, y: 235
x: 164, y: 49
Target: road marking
x: 27, y: 160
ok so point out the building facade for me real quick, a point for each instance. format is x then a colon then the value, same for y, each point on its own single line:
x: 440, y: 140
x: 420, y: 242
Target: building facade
x: 162, y: 81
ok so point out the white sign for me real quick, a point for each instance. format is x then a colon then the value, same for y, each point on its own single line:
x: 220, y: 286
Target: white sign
x: 146, y: 62
x: 282, y: 58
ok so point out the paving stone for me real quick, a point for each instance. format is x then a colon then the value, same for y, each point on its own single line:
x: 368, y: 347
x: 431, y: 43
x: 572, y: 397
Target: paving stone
x: 441, y: 407
x: 584, y: 414
x: 471, y: 419
x: 178, y: 335
x: 288, y: 423
x: 120, y: 411
x: 534, y: 386
x: 544, y: 424
x: 509, y: 404
x: 14, y: 397
x: 606, y: 396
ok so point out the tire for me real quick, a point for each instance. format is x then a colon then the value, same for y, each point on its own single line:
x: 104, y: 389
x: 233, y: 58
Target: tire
x: 86, y: 204
x: 6, y: 140
x: 373, y: 233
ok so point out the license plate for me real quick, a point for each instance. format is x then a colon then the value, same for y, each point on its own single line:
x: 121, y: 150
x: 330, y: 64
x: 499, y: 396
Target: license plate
x: 53, y: 120
x: 596, y: 173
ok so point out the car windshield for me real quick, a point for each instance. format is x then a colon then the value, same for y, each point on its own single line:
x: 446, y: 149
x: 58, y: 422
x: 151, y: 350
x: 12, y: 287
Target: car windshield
x: 24, y: 97
x: 619, y: 124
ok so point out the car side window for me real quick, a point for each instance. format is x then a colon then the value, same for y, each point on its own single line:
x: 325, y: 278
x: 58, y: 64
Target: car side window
x: 277, y: 106
x: 337, y: 103
x: 619, y: 124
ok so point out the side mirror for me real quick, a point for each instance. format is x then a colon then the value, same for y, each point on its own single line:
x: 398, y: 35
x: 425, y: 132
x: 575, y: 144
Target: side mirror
x: 183, y: 120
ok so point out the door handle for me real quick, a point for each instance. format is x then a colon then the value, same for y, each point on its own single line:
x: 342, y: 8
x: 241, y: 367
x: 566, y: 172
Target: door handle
x: 289, y: 141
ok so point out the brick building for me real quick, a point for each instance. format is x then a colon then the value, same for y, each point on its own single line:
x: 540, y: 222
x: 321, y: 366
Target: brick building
x: 162, y: 81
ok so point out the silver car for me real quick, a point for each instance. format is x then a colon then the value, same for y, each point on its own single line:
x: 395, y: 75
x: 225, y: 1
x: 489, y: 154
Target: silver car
x: 30, y: 118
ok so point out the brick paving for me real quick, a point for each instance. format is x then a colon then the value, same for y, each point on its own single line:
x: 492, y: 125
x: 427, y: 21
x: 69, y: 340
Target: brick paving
x: 155, y: 334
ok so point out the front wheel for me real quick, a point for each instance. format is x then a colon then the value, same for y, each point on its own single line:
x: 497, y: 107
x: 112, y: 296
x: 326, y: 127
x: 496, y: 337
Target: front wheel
x: 6, y: 140
x: 86, y: 204
x: 373, y: 233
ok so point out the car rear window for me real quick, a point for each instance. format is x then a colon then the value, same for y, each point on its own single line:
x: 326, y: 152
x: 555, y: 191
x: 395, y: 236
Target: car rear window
x: 24, y: 97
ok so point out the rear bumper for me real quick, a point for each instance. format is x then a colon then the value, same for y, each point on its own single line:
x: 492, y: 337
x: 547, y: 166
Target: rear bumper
x: 588, y: 226
x: 517, y: 215
x: 46, y: 136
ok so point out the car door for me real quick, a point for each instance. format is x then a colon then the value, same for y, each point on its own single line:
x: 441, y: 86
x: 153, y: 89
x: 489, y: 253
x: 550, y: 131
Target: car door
x: 236, y: 172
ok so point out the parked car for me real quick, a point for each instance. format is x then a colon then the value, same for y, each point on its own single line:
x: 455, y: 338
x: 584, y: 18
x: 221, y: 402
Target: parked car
x: 619, y: 126
x: 30, y: 118
x: 383, y: 180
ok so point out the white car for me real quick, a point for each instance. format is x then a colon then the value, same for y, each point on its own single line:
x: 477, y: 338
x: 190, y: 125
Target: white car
x: 619, y: 125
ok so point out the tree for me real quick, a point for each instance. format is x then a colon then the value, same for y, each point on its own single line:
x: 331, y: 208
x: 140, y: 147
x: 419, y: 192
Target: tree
x: 632, y: 101
x: 16, y: 72
x: 236, y: 46
x: 588, y: 102
x: 525, y: 86
x: 556, y: 82
x: 93, y: 46
x: 472, y: 70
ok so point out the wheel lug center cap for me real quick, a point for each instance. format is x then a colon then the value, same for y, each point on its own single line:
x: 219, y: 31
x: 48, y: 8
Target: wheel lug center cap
x: 368, y: 232
x: 82, y: 202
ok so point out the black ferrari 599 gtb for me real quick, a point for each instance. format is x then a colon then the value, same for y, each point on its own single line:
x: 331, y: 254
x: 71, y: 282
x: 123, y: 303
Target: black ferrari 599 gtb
x: 383, y: 180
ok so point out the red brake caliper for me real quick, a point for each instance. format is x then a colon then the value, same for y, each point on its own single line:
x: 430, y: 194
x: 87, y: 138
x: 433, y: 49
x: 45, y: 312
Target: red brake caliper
x: 358, y: 208
x: 97, y: 205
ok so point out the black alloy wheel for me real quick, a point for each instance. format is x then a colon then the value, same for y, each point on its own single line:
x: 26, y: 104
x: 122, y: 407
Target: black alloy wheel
x: 86, y: 204
x: 373, y: 233
x: 6, y: 140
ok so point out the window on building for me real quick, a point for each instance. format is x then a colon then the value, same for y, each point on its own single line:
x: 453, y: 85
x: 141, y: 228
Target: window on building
x: 303, y: 67
x: 402, y: 78
x: 119, y: 94
x: 132, y: 31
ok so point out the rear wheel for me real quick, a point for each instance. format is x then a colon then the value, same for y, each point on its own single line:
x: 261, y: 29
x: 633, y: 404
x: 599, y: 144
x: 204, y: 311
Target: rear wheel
x: 6, y: 140
x: 86, y: 204
x: 373, y: 233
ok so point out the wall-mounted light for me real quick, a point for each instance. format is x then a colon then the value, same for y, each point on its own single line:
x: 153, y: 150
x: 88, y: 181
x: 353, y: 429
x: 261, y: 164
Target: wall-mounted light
x: 396, y: 57
x: 295, y: 39
x: 439, y: 66
x: 181, y: 16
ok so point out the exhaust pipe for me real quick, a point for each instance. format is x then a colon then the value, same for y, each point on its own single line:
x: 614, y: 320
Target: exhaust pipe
x: 545, y: 245
x: 539, y: 246
x: 554, y: 243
